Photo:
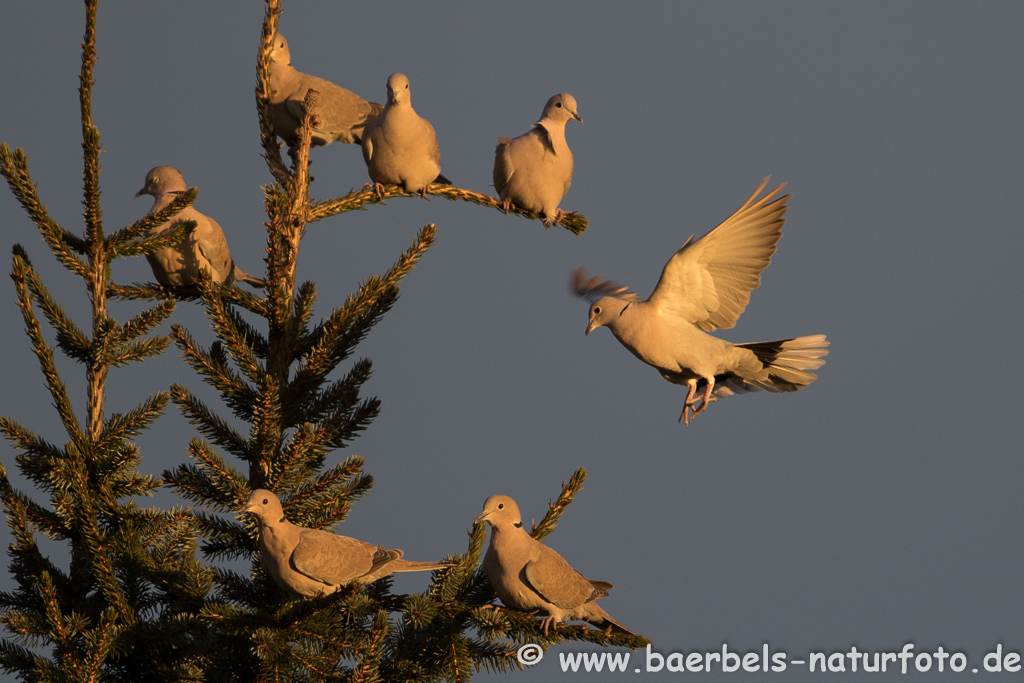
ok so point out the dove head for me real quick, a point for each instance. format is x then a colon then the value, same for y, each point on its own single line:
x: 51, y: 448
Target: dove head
x: 398, y: 90
x: 605, y: 311
x: 162, y: 179
x: 561, y: 107
x: 265, y: 505
x: 501, y: 512
x: 279, y: 53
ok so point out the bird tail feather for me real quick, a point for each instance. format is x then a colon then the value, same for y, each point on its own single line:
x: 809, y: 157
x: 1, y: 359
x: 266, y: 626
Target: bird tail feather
x: 786, y: 365
x: 239, y: 275
x: 409, y: 566
x: 598, y: 617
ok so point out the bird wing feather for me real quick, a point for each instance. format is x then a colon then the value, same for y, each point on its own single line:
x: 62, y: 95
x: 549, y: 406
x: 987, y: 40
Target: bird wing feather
x: 709, y: 280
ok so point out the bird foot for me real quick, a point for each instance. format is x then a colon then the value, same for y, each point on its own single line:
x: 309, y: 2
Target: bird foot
x: 506, y: 205
x: 696, y: 408
x: 379, y: 189
x: 548, y: 622
x: 423, y: 191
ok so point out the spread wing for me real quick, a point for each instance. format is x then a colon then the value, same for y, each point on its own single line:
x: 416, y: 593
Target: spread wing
x: 332, y: 559
x: 708, y: 281
x: 559, y: 583
x: 593, y: 288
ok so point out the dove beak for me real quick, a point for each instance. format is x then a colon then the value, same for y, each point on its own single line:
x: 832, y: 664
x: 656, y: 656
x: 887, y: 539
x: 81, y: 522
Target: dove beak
x: 140, y: 193
x: 480, y: 518
x: 577, y: 117
x: 590, y: 328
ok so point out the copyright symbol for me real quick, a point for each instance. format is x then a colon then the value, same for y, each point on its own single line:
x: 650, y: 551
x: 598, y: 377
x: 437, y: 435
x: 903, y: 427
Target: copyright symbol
x: 529, y: 654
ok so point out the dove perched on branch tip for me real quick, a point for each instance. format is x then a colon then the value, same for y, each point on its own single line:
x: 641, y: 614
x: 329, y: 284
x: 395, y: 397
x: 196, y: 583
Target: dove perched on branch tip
x: 528, y: 575
x: 400, y: 147
x: 534, y: 170
x: 341, y: 113
x: 310, y: 562
x: 206, y: 249
x: 704, y: 286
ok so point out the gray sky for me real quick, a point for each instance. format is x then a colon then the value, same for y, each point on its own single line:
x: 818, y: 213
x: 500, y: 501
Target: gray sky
x: 877, y: 507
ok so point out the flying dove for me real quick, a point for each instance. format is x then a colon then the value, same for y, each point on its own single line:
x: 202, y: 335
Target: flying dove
x: 528, y: 575
x: 704, y: 286
x: 206, y: 249
x: 534, y: 170
x: 342, y: 113
x: 310, y: 562
x: 399, y: 147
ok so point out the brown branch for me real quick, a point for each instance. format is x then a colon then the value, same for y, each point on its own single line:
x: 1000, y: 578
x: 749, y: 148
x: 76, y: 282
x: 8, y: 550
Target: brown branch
x: 358, y: 199
x: 264, y: 94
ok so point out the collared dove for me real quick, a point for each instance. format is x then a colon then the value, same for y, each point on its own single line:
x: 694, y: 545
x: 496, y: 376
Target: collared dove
x: 704, y: 286
x: 399, y: 146
x: 342, y: 113
x: 528, y: 575
x: 310, y: 562
x: 534, y: 170
x: 206, y: 249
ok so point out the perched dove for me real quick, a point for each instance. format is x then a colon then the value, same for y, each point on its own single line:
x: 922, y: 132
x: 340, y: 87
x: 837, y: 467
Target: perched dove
x: 399, y: 147
x: 309, y: 562
x: 206, y: 249
x: 704, y: 286
x: 528, y: 575
x: 342, y: 113
x: 534, y: 170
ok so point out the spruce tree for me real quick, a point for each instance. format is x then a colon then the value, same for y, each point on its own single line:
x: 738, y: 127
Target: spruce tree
x: 145, y: 595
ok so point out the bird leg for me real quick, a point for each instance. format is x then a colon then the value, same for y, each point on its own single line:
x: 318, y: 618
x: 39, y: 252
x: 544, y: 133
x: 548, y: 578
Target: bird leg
x: 423, y: 191
x: 379, y: 189
x: 548, y: 622
x: 691, y: 404
x: 506, y: 205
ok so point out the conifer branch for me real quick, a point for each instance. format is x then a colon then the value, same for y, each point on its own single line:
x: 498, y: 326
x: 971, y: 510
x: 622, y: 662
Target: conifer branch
x: 288, y: 216
x: 210, y: 424
x: 211, y: 481
x: 215, y: 371
x: 264, y: 106
x: 327, y: 499
x: 141, y: 324
x: 135, y: 240
x: 21, y: 274
x: 368, y: 669
x: 359, y: 199
x: 225, y: 539
x: 233, y: 333
x: 321, y: 402
x: 555, y: 510
x: 120, y: 427
x: 64, y: 245
x: 90, y: 140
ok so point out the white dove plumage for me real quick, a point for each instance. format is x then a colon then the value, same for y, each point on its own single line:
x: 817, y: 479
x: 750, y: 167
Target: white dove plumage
x: 704, y: 286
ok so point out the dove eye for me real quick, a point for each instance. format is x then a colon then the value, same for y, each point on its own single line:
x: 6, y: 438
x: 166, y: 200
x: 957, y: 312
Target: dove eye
x: 558, y: 104
x: 597, y: 310
x: 265, y: 501
x: 501, y: 506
